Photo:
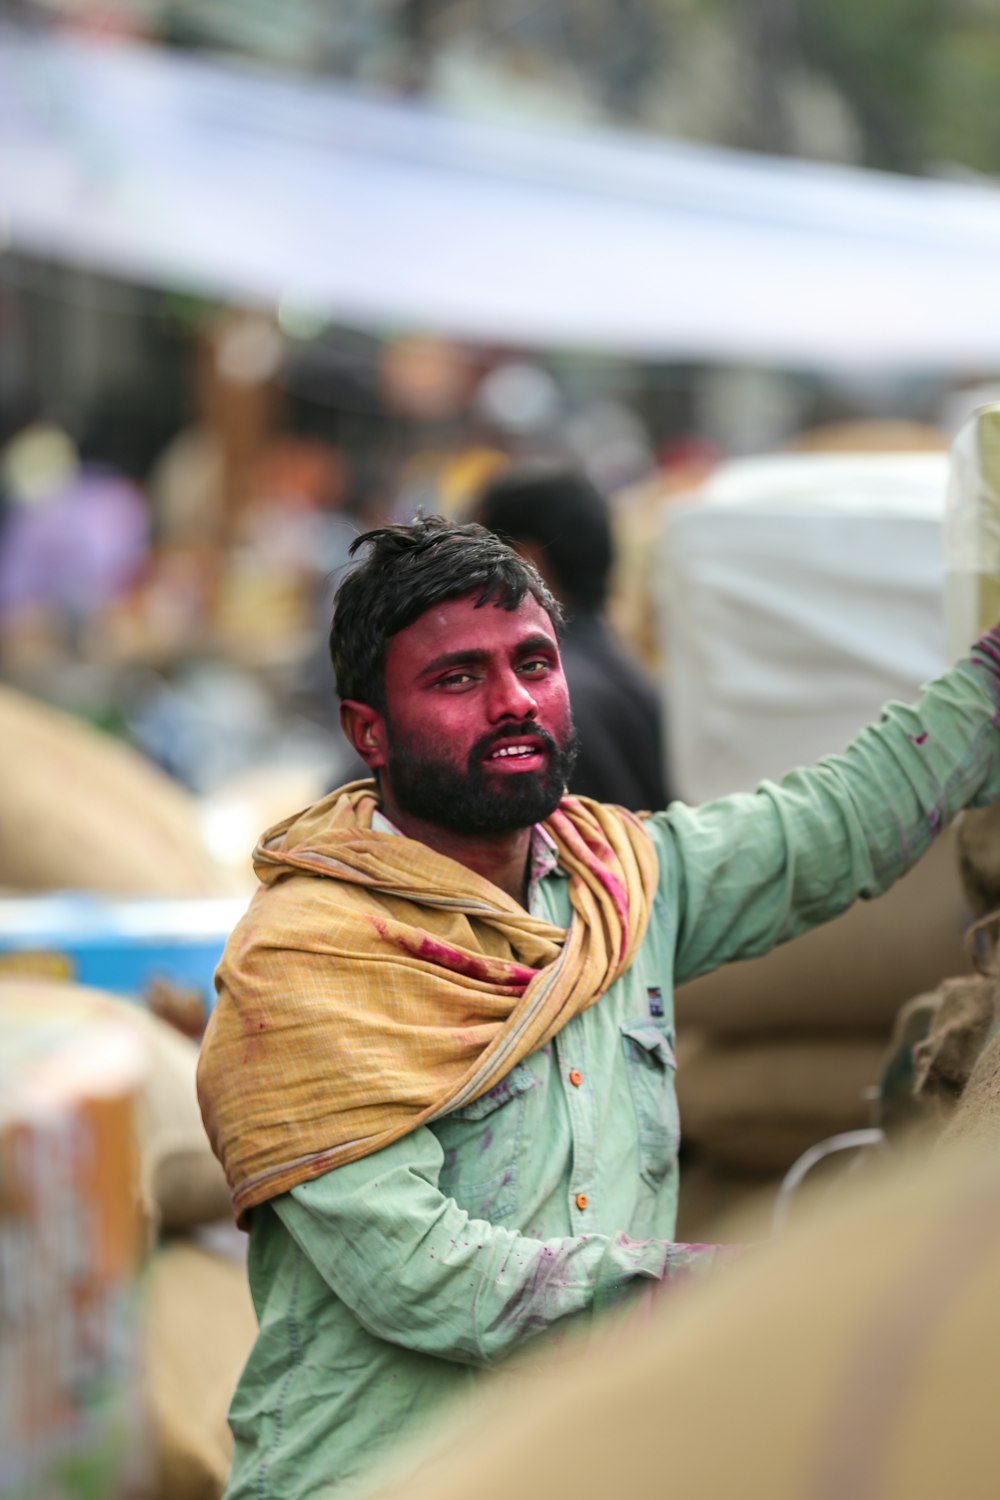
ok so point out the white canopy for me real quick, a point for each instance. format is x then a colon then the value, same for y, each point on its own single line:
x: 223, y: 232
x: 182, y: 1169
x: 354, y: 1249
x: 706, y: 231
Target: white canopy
x: 224, y: 179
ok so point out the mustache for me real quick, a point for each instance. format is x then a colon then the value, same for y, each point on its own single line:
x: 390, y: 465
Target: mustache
x: 489, y: 742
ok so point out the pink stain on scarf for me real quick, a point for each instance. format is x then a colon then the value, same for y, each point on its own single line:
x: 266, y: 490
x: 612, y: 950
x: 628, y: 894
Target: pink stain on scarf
x: 518, y: 976
x: 594, y: 856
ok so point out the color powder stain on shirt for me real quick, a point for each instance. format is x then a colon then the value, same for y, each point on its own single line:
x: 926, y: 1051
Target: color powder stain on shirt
x: 985, y: 650
x: 919, y: 739
x: 534, y: 1303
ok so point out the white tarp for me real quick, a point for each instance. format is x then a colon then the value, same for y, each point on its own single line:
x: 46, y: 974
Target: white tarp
x: 228, y: 180
x: 797, y: 594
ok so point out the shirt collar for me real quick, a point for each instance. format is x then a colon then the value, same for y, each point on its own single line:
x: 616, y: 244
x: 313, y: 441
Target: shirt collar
x: 542, y: 860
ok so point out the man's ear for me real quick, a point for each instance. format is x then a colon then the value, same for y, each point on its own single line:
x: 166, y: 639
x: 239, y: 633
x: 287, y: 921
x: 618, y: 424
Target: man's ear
x: 364, y: 726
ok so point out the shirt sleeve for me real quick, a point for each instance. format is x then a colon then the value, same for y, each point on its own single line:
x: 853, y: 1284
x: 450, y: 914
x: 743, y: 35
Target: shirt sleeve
x: 418, y: 1271
x: 749, y: 871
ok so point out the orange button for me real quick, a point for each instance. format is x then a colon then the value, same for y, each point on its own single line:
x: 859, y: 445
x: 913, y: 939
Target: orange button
x: 581, y: 1201
x: 576, y: 1078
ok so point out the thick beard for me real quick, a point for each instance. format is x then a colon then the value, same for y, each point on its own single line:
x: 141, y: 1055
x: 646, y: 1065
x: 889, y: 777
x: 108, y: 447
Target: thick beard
x: 469, y: 801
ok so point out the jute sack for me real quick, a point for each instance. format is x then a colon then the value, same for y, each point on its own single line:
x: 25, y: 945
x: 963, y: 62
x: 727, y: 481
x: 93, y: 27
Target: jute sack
x: 899, y: 1112
x: 853, y: 1359
x: 851, y: 975
x: 946, y: 1056
x: 941, y: 1063
x: 82, y: 811
x: 198, y: 1329
x: 181, y: 1183
x: 757, y: 1106
x: 977, y: 1114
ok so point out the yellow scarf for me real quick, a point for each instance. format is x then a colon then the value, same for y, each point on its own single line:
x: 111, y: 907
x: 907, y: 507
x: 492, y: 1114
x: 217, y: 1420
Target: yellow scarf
x: 355, y: 1007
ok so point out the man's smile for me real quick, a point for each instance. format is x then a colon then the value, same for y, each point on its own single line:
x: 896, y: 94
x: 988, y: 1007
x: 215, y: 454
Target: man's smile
x: 524, y: 751
x: 514, y: 750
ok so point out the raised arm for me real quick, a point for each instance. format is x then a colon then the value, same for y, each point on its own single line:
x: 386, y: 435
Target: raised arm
x: 747, y: 872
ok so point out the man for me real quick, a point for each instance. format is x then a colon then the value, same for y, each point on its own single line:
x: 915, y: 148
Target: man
x: 440, y: 1069
x: 559, y: 521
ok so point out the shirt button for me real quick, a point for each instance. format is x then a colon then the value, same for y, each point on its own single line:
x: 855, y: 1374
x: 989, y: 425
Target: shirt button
x: 581, y: 1201
x: 576, y: 1078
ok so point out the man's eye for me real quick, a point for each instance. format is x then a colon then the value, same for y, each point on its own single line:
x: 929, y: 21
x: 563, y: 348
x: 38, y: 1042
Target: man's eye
x: 455, y: 679
x: 535, y: 667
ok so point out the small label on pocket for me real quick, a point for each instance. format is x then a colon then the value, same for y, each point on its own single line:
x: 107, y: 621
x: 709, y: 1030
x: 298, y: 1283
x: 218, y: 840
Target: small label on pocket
x: 655, y: 997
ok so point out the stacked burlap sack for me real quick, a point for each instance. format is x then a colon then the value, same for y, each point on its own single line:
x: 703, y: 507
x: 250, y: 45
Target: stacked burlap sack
x: 780, y: 1053
x: 197, y: 1318
x: 941, y: 1079
x: 80, y: 810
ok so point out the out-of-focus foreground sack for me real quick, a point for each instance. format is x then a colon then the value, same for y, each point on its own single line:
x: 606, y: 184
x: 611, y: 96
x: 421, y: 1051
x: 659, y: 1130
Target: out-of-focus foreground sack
x: 181, y: 1182
x: 82, y: 811
x: 199, y: 1326
x: 855, y: 1357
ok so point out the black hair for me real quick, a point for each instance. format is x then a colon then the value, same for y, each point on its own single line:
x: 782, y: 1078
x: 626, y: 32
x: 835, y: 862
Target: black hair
x: 563, y: 513
x: 407, y: 569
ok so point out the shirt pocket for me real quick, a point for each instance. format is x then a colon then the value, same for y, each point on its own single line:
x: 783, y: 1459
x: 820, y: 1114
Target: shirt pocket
x: 482, y: 1147
x: 652, y: 1067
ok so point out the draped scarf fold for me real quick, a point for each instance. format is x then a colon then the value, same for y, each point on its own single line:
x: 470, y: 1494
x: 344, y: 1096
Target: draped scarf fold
x: 374, y: 985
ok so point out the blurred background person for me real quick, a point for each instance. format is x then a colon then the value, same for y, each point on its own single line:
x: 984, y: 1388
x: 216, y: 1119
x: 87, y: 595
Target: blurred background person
x: 74, y: 535
x: 559, y: 521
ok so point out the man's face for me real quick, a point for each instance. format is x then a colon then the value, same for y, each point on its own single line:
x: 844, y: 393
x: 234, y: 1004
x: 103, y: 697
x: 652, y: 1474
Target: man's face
x: 479, y: 736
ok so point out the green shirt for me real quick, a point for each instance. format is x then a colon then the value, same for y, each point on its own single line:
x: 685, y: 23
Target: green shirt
x: 387, y: 1285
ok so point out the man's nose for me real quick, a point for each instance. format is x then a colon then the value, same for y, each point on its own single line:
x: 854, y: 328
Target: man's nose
x: 511, y: 698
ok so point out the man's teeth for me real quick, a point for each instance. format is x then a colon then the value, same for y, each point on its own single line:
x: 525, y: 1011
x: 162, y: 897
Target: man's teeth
x: 509, y: 750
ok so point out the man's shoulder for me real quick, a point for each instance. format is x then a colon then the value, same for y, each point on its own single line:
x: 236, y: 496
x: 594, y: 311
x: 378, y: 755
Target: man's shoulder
x: 288, y: 907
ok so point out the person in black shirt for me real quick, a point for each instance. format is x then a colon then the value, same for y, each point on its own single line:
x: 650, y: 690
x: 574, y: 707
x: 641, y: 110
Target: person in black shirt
x: 560, y: 522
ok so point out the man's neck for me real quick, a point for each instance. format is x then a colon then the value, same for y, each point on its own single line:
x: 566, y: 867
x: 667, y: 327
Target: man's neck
x: 500, y: 857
